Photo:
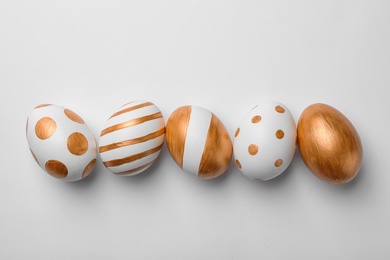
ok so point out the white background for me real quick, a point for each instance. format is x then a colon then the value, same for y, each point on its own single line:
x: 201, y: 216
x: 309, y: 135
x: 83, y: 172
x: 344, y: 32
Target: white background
x: 226, y: 56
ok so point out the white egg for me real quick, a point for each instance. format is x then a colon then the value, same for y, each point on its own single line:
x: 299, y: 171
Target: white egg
x: 132, y: 138
x: 265, y: 141
x: 60, y: 142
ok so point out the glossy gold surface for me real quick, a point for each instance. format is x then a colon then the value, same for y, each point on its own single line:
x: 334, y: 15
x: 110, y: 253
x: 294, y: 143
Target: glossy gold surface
x: 253, y: 149
x: 56, y: 169
x: 217, y: 152
x: 45, y: 128
x: 280, y: 109
x: 88, y: 169
x: 176, y: 133
x: 77, y: 143
x: 329, y: 144
x: 73, y: 116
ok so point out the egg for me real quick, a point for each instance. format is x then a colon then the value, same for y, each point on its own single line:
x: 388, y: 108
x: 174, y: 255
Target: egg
x: 61, y: 142
x: 265, y: 141
x: 132, y: 138
x: 329, y: 144
x: 198, y: 142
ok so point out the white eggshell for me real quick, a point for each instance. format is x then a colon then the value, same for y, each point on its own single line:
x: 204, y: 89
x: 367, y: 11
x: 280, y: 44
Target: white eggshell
x: 60, y: 142
x: 132, y: 138
x: 265, y: 141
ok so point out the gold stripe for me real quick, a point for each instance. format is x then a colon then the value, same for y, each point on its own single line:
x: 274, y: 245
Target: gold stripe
x: 217, y: 152
x: 177, y: 131
x: 131, y: 122
x: 132, y: 158
x: 136, y: 169
x: 131, y: 109
x: 137, y: 140
x: 42, y: 105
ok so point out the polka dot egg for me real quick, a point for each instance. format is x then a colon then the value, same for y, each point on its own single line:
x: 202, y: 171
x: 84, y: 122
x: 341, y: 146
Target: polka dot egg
x: 265, y: 141
x: 60, y: 142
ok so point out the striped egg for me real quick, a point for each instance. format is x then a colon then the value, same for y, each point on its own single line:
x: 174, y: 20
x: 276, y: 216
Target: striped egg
x: 198, y: 142
x: 265, y: 141
x: 60, y: 142
x: 132, y: 138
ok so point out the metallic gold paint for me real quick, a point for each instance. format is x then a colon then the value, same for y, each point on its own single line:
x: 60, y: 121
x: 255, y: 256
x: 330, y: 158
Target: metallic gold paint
x: 73, y: 116
x: 88, y: 169
x: 77, y: 143
x: 56, y: 169
x: 217, y: 152
x: 45, y: 128
x: 176, y: 133
x: 329, y: 144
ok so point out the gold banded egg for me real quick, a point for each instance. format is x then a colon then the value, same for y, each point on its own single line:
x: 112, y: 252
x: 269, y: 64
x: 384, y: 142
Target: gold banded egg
x: 329, y: 144
x: 198, y: 142
x: 265, y: 141
x: 132, y: 138
x: 60, y: 142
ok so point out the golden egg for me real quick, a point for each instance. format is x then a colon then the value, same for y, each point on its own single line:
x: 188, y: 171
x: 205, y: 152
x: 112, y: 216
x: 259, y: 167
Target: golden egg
x: 329, y: 144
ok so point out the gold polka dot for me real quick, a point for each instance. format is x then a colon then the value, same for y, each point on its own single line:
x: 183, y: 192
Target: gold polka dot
x: 42, y: 105
x: 253, y: 149
x: 256, y: 119
x: 279, y: 134
x: 238, y: 164
x: 56, y: 169
x: 237, y: 132
x: 33, y: 155
x: 279, y: 109
x: 278, y: 162
x: 88, y: 169
x: 77, y: 143
x: 45, y: 128
x: 73, y: 116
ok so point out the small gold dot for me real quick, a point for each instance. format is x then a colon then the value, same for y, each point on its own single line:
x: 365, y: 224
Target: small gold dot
x: 73, y: 116
x: 256, y: 119
x: 279, y: 109
x: 279, y: 134
x: 238, y: 164
x: 45, y: 128
x: 77, y: 143
x: 253, y: 149
x: 237, y: 132
x: 278, y: 162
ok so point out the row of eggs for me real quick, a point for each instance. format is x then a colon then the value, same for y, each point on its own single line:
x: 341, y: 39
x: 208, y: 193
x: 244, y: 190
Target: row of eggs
x: 263, y: 147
